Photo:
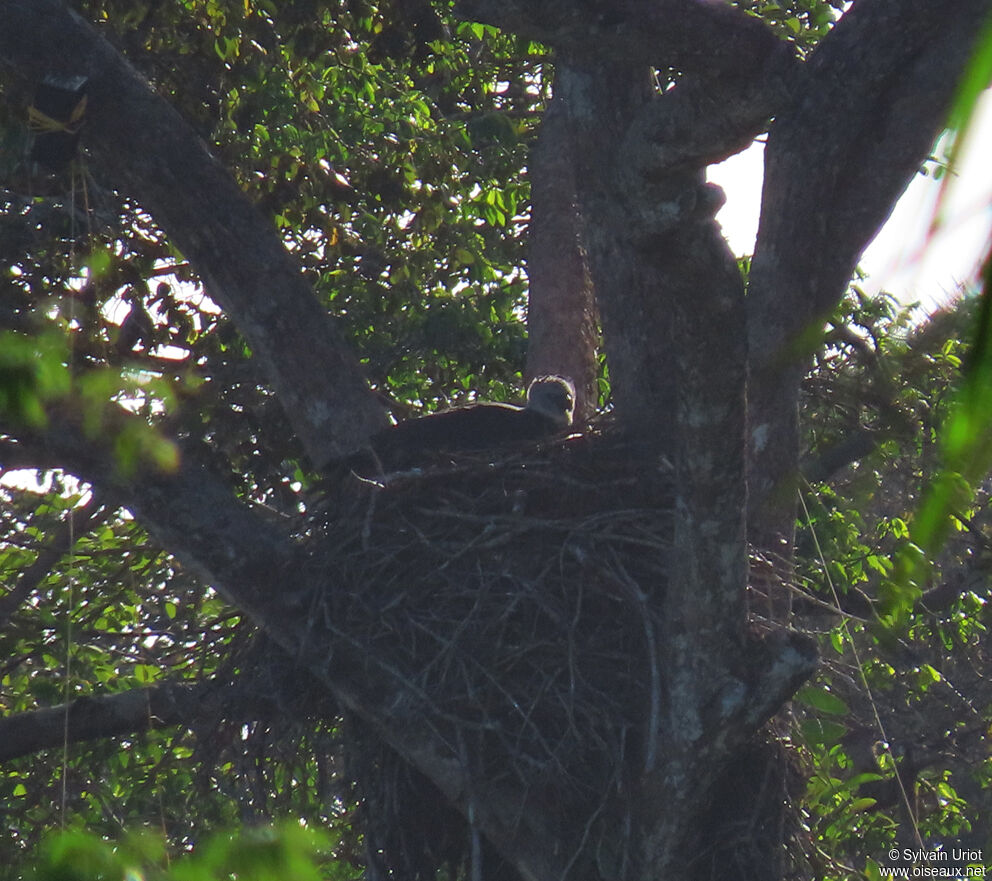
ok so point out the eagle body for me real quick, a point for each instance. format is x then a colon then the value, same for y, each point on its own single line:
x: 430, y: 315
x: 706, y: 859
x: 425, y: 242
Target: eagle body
x: 482, y: 426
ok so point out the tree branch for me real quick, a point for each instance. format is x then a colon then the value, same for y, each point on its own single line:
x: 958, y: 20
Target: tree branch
x: 266, y: 686
x: 191, y: 511
x: 828, y: 461
x: 860, y: 126
x: 142, y: 144
x: 711, y: 39
x: 108, y: 715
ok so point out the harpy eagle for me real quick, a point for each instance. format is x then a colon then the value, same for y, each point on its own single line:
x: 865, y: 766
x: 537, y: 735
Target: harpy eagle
x: 548, y: 411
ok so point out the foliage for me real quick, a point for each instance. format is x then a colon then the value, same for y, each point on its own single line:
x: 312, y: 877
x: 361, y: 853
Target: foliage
x: 900, y: 689
x: 805, y: 22
x: 395, y: 179
x: 391, y: 155
x: 257, y: 854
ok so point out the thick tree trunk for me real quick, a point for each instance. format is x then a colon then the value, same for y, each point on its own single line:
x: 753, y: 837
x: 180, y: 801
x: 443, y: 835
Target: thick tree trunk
x: 672, y: 306
x: 599, y: 103
x: 562, y: 325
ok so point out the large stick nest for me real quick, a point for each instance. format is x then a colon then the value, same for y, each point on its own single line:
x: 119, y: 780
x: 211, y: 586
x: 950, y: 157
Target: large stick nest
x: 515, y: 594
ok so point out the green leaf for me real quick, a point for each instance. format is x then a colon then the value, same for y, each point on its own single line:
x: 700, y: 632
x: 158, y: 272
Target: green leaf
x: 822, y: 699
x: 821, y: 732
x: 861, y: 804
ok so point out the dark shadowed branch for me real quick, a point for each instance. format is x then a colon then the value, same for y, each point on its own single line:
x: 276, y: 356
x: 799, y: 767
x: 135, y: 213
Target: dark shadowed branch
x: 109, y: 715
